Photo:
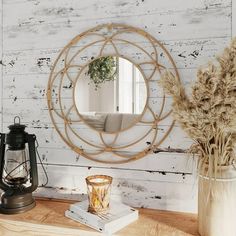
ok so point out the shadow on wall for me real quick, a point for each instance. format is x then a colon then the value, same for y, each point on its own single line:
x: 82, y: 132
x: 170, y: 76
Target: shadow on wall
x: 59, y: 193
x: 55, y: 189
x: 159, y: 190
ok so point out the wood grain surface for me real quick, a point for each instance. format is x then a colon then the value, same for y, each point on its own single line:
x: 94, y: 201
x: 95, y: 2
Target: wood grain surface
x: 47, y: 218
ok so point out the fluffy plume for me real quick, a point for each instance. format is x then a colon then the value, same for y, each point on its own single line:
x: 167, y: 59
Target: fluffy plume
x: 208, y: 116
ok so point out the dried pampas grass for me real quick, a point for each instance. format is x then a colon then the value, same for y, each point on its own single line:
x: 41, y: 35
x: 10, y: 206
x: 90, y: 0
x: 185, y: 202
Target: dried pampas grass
x: 208, y: 116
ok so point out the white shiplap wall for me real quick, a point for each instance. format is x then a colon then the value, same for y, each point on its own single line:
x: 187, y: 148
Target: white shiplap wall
x: 34, y: 31
x: 233, y: 18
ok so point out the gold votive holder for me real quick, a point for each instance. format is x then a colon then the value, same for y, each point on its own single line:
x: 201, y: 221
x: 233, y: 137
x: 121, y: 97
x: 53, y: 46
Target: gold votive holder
x: 99, y: 189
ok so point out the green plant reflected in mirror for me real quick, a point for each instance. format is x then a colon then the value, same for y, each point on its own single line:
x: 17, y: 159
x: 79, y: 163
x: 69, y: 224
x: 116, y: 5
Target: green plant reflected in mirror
x: 110, y: 94
x: 102, y: 70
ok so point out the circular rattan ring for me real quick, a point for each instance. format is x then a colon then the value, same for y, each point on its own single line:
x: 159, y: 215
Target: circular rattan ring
x: 149, y: 56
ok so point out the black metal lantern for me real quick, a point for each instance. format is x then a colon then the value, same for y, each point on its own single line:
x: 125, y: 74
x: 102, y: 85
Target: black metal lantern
x: 18, y: 169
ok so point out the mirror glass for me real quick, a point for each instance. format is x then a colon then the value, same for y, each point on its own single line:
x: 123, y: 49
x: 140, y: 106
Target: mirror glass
x: 110, y: 94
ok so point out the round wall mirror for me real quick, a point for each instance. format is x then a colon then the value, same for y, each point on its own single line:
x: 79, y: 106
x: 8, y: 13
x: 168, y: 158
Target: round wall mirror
x: 103, y: 94
x: 110, y: 94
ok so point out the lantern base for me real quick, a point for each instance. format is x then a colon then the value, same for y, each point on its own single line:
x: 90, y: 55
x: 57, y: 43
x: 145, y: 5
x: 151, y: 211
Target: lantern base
x: 16, y: 203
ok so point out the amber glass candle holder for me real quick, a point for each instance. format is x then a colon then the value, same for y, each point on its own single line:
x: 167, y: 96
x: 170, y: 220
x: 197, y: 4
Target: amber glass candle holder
x: 99, y: 189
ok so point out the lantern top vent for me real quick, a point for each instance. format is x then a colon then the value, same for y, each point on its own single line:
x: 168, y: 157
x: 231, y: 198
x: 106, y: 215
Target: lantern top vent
x: 17, y: 126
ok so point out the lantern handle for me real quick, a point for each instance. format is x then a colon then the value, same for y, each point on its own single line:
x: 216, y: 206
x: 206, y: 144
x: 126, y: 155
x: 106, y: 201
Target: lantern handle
x: 44, y: 170
x: 16, y: 117
x: 3, y: 186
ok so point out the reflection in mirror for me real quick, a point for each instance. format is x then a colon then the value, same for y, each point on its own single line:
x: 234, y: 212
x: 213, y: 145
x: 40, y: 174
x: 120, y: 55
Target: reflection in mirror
x: 110, y: 94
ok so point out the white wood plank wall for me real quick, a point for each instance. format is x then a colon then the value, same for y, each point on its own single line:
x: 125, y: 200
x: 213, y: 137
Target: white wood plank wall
x: 233, y: 18
x: 1, y: 71
x: 32, y: 34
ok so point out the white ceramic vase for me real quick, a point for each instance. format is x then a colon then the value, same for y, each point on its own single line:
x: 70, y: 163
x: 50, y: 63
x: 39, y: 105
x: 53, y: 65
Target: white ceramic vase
x: 217, y: 203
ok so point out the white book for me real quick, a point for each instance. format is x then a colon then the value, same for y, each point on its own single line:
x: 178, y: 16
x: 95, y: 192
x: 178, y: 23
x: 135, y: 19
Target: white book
x: 118, y: 216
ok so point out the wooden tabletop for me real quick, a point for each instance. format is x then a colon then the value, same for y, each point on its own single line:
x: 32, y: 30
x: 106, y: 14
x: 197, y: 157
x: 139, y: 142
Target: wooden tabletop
x: 47, y: 219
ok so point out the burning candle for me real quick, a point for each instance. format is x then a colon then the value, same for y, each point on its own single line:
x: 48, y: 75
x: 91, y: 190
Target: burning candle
x: 99, y: 188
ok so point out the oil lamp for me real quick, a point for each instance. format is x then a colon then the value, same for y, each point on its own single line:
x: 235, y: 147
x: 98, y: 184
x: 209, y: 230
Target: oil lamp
x: 18, y: 169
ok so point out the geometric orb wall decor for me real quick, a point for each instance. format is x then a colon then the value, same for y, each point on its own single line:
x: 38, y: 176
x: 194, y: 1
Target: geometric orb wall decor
x: 103, y: 96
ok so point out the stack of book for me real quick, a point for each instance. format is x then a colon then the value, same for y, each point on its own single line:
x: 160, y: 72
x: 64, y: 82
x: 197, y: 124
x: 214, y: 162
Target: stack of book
x: 118, y: 216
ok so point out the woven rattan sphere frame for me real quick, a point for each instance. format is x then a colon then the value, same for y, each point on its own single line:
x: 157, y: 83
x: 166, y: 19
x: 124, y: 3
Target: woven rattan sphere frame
x: 65, y: 116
